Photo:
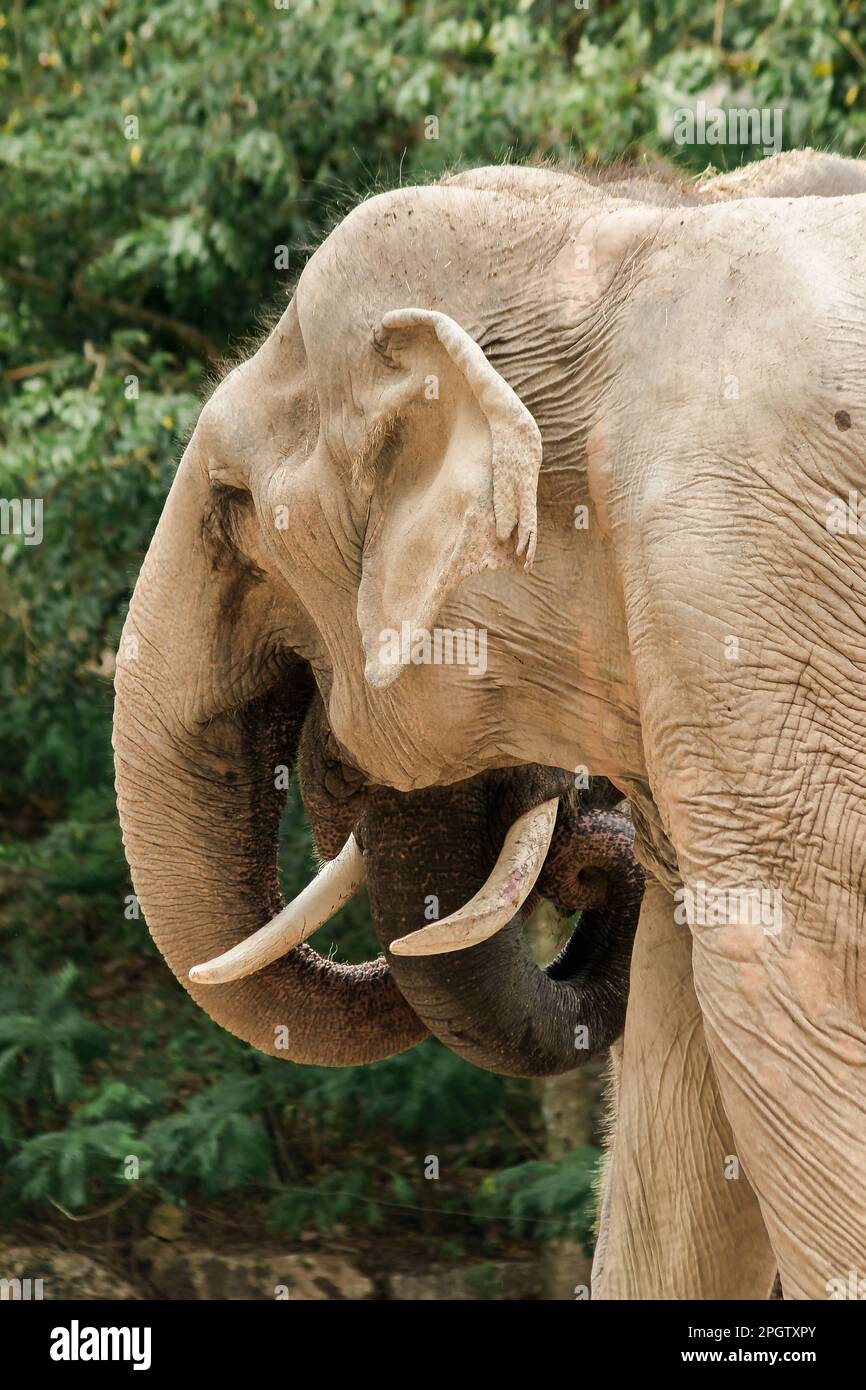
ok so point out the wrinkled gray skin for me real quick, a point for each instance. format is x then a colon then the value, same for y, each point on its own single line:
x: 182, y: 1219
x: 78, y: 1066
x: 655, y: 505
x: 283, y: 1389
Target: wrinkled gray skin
x: 686, y: 365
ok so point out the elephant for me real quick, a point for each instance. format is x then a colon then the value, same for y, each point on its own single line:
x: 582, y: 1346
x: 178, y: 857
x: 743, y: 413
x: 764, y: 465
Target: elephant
x: 601, y: 424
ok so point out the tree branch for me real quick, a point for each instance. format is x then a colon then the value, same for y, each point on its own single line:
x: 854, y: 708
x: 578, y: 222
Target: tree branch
x: 193, y: 338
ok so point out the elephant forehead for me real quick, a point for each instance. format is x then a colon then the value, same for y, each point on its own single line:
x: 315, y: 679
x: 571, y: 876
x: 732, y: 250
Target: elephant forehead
x: 354, y: 273
x: 438, y: 247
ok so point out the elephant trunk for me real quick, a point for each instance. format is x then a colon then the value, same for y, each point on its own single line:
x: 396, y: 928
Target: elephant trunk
x: 200, y: 808
x: 490, y: 1002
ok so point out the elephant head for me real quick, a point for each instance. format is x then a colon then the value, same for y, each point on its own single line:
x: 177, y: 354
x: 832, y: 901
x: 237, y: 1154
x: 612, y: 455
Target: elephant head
x: 365, y: 475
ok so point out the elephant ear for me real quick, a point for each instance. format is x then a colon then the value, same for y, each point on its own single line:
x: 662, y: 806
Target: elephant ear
x: 454, y: 489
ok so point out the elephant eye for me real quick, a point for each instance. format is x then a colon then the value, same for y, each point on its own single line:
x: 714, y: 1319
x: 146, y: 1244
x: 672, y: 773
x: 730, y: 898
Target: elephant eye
x: 225, y: 480
x: 222, y: 520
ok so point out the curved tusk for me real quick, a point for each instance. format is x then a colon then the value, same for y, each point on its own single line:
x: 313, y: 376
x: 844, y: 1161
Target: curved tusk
x: 506, y: 890
x: 334, y: 884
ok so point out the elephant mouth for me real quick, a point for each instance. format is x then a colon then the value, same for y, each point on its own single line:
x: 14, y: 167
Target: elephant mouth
x: 528, y: 868
x: 511, y: 881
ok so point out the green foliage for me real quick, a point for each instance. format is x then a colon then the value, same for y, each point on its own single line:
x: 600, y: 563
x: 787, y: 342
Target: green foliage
x: 101, y: 464
x: 548, y: 1201
x: 425, y: 1092
x: 218, y: 1141
x: 155, y: 157
x: 44, y: 1044
x: 342, y: 1196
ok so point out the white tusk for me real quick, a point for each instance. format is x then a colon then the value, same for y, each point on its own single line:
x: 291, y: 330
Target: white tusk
x: 506, y: 890
x: 334, y: 884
